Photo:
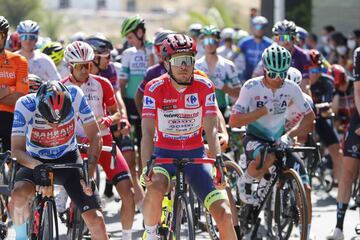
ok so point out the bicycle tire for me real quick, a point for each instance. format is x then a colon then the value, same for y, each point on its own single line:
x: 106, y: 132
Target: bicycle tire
x: 75, y: 232
x: 290, y: 206
x: 233, y: 173
x: 183, y: 206
x: 47, y: 222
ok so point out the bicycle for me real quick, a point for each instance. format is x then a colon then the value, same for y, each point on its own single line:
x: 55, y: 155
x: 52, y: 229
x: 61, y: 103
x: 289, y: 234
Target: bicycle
x: 290, y: 200
x: 43, y: 224
x: 178, y: 210
x: 6, y: 186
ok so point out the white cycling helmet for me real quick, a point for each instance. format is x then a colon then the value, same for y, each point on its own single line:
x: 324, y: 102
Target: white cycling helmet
x: 294, y: 75
x: 227, y: 33
x: 78, y: 52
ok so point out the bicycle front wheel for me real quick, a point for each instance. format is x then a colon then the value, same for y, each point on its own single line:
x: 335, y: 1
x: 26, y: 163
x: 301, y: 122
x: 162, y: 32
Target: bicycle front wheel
x: 48, y: 229
x: 184, y: 224
x: 291, y: 206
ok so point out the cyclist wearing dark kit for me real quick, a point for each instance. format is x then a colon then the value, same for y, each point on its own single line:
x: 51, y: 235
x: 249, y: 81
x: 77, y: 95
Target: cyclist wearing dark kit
x: 350, y: 164
x: 44, y: 132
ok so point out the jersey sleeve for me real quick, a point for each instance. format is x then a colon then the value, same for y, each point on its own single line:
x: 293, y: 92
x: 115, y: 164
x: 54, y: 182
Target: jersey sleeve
x: 149, y: 102
x: 242, y: 103
x: 109, y: 96
x: 22, y: 81
x: 299, y: 99
x: 125, y: 66
x: 81, y: 107
x: 23, y: 112
x: 210, y: 106
x: 52, y: 72
x: 329, y: 90
x: 146, y: 79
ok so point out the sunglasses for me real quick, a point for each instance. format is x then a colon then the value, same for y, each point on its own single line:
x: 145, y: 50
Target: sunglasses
x: 104, y: 55
x: 258, y: 27
x: 274, y: 75
x: 209, y: 41
x: 31, y: 37
x: 182, y: 61
x: 283, y: 38
x: 80, y: 66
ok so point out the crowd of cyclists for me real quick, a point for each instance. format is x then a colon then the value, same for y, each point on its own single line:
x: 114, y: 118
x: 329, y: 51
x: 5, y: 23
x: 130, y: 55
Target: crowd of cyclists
x: 157, y: 98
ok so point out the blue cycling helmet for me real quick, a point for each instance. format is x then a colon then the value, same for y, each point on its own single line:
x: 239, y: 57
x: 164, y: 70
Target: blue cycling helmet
x: 29, y: 27
x: 301, y: 33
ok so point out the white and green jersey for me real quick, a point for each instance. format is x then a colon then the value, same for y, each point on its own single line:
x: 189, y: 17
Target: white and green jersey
x: 224, y: 73
x: 134, y: 64
x: 254, y: 94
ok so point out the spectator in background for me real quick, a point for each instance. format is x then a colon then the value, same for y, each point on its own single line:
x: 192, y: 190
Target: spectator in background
x: 325, y: 33
x: 311, y: 42
x: 194, y: 32
x: 339, y: 50
x: 353, y: 42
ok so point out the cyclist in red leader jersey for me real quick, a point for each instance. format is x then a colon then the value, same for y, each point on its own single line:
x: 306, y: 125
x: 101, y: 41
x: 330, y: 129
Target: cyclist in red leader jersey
x: 178, y: 105
x: 13, y: 83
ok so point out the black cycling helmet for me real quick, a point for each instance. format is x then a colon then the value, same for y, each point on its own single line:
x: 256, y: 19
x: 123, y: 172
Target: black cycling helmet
x: 284, y: 27
x: 53, y: 101
x: 4, y: 24
x: 99, y: 43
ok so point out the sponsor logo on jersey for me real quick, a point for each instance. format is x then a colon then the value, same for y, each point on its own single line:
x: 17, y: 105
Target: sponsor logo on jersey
x: 53, y: 152
x: 5, y: 74
x: 149, y: 102
x: 252, y: 145
x: 84, y: 106
x: 19, y: 119
x: 174, y: 100
x: 210, y: 100
x: 155, y: 85
x: 168, y: 107
x: 191, y: 100
x: 29, y: 103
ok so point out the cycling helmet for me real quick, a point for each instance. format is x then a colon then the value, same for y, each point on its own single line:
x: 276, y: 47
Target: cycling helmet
x: 194, y: 29
x: 227, y: 33
x: 210, y: 31
x: 259, y: 20
x: 301, y: 33
x: 29, y: 27
x: 78, y: 52
x: 316, y: 57
x: 131, y: 24
x: 53, y: 101
x: 78, y: 36
x: 240, y: 34
x: 177, y: 43
x: 284, y: 27
x: 161, y: 36
x: 4, y: 24
x: 14, y: 43
x: 276, y: 58
x: 293, y: 74
x: 34, y: 83
x: 99, y: 43
x: 339, y: 74
x: 55, y: 51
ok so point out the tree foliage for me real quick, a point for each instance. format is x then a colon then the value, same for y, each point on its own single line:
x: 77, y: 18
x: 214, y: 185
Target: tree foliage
x: 299, y: 11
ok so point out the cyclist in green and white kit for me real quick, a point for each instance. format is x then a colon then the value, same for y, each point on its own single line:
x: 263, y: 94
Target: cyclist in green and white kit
x: 219, y: 69
x: 135, y: 61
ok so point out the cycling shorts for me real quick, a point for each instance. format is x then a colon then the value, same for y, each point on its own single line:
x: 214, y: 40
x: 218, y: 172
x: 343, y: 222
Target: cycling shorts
x: 294, y: 161
x: 326, y: 130
x: 121, y: 170
x: 134, y: 119
x: 125, y: 144
x: 69, y: 178
x: 198, y: 176
x: 5, y: 129
x: 352, y: 140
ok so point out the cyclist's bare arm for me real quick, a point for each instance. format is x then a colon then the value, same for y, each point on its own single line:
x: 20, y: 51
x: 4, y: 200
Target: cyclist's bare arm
x: 114, y: 113
x: 210, y: 123
x: 121, y: 103
x: 18, y: 151
x: 306, y: 125
x: 139, y: 101
x: 242, y: 119
x: 147, y: 142
x: 123, y: 83
x: 93, y: 133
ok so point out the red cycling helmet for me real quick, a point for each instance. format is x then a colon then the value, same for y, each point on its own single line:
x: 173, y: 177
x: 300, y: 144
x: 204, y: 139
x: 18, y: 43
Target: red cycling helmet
x: 316, y: 57
x: 178, y: 43
x: 54, y: 101
x: 339, y: 75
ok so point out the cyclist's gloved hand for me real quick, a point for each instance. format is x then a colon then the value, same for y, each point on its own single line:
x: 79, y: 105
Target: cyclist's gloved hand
x: 105, y: 122
x: 284, y: 141
x: 41, y: 175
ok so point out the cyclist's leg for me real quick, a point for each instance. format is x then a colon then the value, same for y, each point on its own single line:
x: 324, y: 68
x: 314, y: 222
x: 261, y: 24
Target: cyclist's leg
x: 216, y: 201
x: 328, y: 135
x: 121, y: 178
x: 127, y: 149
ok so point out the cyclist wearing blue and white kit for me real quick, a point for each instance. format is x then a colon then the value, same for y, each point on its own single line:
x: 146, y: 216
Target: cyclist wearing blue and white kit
x: 262, y: 106
x: 40, y: 64
x: 44, y: 132
x: 253, y: 46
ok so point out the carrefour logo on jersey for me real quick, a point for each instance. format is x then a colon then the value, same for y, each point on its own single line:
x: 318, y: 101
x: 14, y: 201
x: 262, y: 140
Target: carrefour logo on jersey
x: 149, y: 102
x: 210, y: 100
x: 19, y: 119
x: 191, y: 100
